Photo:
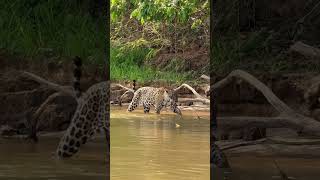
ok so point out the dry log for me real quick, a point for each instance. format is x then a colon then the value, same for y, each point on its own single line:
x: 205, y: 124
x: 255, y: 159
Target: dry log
x: 123, y: 87
x: 205, y: 77
x: 305, y: 49
x: 242, y: 143
x: 65, y: 89
x: 235, y: 144
x: 184, y: 100
x: 33, y: 121
x: 120, y: 100
x: 287, y: 118
x: 198, y: 98
x: 233, y: 123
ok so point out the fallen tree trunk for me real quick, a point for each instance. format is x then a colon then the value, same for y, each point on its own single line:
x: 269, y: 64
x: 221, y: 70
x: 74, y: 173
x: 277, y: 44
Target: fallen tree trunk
x: 287, y: 118
x: 205, y: 77
x: 305, y: 50
x: 234, y: 123
x: 65, y: 89
x: 121, y: 97
x: 33, y: 120
x: 127, y: 92
x: 198, y: 98
x: 284, y: 141
x: 123, y: 87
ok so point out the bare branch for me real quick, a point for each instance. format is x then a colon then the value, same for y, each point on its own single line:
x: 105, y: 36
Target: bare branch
x: 227, y: 145
x: 242, y: 143
x: 288, y: 117
x: 128, y: 89
x: 65, y: 89
x: 198, y: 96
x: 205, y: 77
x: 33, y: 121
x: 305, y: 49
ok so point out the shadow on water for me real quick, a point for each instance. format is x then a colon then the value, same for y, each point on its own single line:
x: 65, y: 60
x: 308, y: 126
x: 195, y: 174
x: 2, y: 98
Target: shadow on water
x: 157, y: 147
x: 23, y: 160
x: 253, y: 167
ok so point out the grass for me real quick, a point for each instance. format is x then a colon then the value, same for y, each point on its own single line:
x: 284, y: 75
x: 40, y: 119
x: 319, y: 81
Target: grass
x: 129, y: 64
x: 52, y: 28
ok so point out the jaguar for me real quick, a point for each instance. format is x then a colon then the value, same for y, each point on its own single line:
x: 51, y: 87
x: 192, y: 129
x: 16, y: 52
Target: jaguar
x: 91, y: 116
x: 151, y: 96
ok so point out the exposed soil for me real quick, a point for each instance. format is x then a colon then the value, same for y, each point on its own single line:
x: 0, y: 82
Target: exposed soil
x: 193, y: 58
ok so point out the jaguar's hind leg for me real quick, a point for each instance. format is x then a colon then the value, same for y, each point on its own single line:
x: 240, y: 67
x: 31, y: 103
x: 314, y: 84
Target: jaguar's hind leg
x: 146, y: 107
x: 158, y: 108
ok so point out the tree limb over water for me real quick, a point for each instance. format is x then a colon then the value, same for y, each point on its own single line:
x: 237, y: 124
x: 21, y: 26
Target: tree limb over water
x: 287, y: 116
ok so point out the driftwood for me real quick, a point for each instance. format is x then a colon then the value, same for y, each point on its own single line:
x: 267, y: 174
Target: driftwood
x: 242, y: 143
x: 129, y: 90
x: 287, y: 116
x: 304, y: 49
x: 235, y: 144
x: 65, y: 89
x: 121, y: 97
x: 198, y: 98
x: 205, y: 77
x: 33, y: 121
x: 123, y: 87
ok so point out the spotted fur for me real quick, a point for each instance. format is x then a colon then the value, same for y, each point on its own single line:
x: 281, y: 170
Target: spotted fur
x: 91, y: 115
x: 150, y: 96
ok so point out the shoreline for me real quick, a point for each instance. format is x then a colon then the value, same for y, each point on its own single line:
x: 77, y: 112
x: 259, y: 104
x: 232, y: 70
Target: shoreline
x: 186, y: 110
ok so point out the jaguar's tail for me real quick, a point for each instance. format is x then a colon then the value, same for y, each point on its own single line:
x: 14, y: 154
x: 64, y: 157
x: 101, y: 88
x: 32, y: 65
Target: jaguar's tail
x: 77, y: 75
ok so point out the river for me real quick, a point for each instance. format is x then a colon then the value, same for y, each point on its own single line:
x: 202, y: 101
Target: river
x: 158, y: 147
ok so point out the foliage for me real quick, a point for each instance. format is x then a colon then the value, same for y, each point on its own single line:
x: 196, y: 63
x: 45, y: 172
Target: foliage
x: 127, y: 63
x: 159, y: 26
x: 159, y: 10
x: 60, y: 28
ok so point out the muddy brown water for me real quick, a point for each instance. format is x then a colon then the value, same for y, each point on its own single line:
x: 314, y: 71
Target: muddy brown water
x: 159, y: 147
x: 23, y: 160
x: 144, y: 147
x: 250, y: 167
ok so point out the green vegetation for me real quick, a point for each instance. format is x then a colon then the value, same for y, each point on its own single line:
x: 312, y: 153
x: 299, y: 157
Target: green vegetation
x: 144, y: 30
x: 256, y: 42
x: 52, y: 28
x: 127, y: 63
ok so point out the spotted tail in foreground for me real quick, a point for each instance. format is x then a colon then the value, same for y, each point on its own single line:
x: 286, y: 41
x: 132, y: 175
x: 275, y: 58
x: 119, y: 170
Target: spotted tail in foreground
x: 92, y: 114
